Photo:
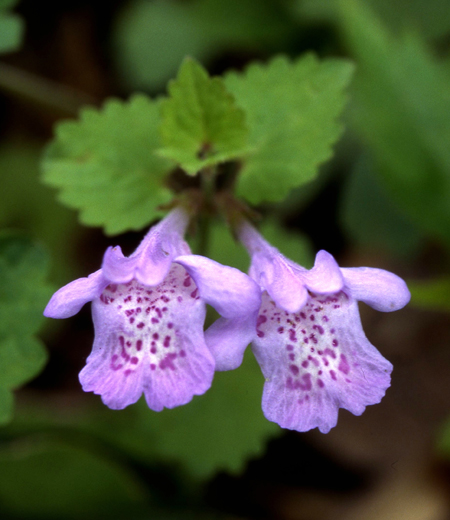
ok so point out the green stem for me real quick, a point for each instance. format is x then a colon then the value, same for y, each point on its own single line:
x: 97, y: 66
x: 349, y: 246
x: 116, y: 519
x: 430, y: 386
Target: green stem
x: 208, y: 185
x: 42, y: 91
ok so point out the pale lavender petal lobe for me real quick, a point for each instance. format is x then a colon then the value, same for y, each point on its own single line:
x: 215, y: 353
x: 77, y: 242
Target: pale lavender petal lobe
x: 317, y: 361
x: 325, y: 277
x: 149, y: 340
x: 236, y: 297
x: 68, y: 300
x: 151, y: 261
x: 382, y: 290
x: 280, y: 277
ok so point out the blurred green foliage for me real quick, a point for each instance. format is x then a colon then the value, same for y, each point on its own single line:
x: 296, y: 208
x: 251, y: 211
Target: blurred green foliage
x: 402, y: 111
x: 152, y: 38
x: 11, y: 27
x: 23, y: 294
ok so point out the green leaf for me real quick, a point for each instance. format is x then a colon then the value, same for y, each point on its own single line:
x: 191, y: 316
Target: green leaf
x: 219, y: 430
x: 292, y: 109
x: 403, y: 113
x: 105, y: 165
x: 202, y: 29
x: 44, y: 479
x: 370, y: 216
x: 443, y: 443
x: 8, y: 4
x: 6, y: 405
x: 21, y: 358
x: 431, y: 294
x: 23, y: 296
x: 201, y: 124
x: 11, y: 32
x: 431, y: 17
x: 31, y: 207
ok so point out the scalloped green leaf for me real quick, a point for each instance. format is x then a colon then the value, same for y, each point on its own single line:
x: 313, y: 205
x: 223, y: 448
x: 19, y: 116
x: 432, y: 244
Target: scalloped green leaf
x: 201, y: 124
x: 292, y: 109
x: 23, y: 296
x: 105, y: 165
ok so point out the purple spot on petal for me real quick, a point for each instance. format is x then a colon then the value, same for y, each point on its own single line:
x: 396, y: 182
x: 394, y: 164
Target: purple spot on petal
x: 134, y: 360
x: 333, y: 375
x: 139, y: 344
x: 320, y: 383
x: 335, y: 343
x: 344, y: 367
x: 294, y: 369
x: 140, y: 325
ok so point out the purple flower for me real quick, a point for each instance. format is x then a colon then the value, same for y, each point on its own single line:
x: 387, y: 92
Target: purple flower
x: 310, y: 343
x: 149, y: 310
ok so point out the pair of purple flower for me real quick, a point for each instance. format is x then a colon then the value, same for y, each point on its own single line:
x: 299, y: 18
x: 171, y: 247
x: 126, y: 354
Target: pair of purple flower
x: 149, y: 310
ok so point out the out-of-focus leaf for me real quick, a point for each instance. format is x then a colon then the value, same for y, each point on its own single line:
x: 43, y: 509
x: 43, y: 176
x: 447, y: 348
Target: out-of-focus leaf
x: 27, y: 205
x: 431, y: 294
x: 52, y: 480
x: 6, y: 405
x: 105, y: 165
x: 371, y: 218
x: 11, y: 32
x: 292, y: 110
x: 23, y: 295
x: 219, y: 430
x: 201, y: 125
x: 443, y: 442
x: 11, y: 27
x: 403, y: 113
x: 431, y: 17
x: 152, y: 38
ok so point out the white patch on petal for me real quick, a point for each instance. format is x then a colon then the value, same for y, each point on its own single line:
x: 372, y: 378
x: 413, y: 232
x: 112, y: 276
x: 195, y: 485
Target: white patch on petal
x: 316, y: 361
x: 147, y: 331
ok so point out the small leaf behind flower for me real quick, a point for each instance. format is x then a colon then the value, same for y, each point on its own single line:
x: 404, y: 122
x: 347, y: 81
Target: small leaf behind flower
x: 201, y: 124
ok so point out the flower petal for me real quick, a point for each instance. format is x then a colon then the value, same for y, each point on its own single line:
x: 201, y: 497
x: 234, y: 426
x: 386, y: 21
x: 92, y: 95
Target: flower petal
x: 382, y: 290
x: 317, y: 361
x: 236, y: 297
x: 68, y: 300
x: 325, y: 277
x: 152, y: 260
x: 273, y: 271
x: 149, y: 340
